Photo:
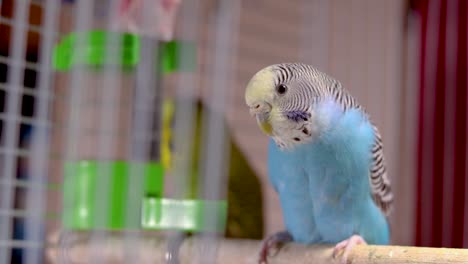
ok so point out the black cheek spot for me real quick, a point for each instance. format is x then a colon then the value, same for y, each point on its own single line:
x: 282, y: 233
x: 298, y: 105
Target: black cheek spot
x: 305, y: 131
x: 297, y: 139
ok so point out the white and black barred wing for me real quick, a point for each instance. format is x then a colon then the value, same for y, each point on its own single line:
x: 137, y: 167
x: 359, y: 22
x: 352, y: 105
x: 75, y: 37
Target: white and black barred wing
x: 380, y: 183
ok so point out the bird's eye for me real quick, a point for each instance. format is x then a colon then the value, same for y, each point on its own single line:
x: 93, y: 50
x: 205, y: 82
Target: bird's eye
x: 281, y: 89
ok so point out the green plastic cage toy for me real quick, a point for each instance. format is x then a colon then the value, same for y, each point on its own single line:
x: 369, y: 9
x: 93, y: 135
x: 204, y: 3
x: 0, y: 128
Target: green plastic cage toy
x: 81, y: 177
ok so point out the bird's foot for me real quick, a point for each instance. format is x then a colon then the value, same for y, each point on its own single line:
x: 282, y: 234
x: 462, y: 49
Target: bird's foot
x: 347, y: 245
x: 272, y: 244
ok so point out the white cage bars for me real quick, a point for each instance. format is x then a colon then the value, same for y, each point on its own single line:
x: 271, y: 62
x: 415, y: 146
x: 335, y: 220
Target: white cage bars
x: 22, y: 199
x: 104, y: 115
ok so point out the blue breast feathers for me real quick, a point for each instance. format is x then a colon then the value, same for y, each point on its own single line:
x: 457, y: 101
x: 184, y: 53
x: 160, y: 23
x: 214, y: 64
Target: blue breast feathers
x: 324, y: 185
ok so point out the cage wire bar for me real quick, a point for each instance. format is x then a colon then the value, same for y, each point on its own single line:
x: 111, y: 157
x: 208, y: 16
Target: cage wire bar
x: 214, y: 182
x: 184, y: 121
x: 186, y: 88
x: 11, y: 130
x: 146, y: 119
x: 40, y: 149
x: 109, y: 94
x: 75, y: 94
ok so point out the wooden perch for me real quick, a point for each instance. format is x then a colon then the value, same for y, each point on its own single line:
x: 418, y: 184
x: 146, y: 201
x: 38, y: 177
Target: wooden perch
x: 152, y: 249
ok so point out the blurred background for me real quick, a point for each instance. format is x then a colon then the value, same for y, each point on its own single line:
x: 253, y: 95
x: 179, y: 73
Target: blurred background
x: 65, y: 100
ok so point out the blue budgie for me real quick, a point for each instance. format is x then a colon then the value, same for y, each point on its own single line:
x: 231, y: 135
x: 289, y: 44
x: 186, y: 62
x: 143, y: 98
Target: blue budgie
x: 325, y: 159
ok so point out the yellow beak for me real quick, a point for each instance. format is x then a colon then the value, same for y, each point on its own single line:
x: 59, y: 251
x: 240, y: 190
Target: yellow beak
x: 265, y: 126
x: 261, y: 110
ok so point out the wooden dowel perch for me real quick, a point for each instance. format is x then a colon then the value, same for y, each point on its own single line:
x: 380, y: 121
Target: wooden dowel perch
x: 152, y: 249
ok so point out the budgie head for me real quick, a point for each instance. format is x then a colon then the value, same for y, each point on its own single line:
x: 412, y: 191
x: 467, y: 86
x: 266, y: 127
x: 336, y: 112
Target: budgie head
x: 282, y: 98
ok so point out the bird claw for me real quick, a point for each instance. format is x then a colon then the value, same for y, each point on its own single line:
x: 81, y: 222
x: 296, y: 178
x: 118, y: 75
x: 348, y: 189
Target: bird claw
x: 273, y: 242
x: 347, y: 245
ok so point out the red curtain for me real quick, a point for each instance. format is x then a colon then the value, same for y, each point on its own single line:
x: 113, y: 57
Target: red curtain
x: 441, y: 217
